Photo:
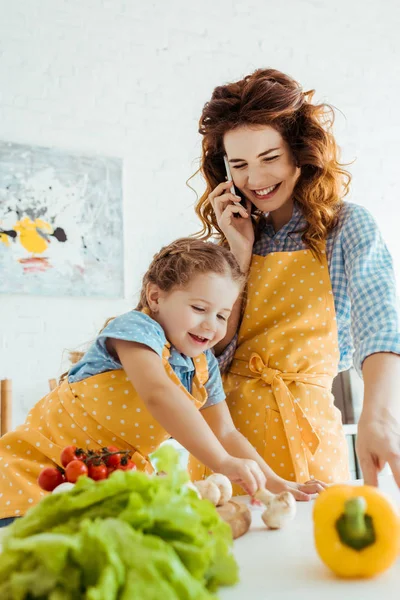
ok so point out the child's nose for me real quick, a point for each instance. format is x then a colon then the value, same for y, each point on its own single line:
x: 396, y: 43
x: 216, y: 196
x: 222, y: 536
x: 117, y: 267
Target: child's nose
x: 209, y: 324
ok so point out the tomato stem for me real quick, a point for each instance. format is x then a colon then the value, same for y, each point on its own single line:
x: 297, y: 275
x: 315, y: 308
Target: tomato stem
x: 101, y: 455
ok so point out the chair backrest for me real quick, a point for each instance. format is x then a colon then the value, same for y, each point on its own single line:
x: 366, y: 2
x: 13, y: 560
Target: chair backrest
x: 6, y: 403
x: 5, y: 406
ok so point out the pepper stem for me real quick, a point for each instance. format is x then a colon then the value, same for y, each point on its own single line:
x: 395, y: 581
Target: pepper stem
x: 355, y: 527
x: 354, y: 512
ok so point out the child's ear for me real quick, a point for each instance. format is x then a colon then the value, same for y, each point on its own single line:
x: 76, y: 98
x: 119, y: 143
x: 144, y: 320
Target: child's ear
x: 153, y: 295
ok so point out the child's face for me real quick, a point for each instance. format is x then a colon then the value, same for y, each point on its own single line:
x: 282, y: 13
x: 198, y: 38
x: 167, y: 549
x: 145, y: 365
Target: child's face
x: 195, y: 317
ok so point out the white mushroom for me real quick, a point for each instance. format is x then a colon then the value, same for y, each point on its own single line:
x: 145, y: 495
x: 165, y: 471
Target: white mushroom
x: 208, y: 491
x: 280, y: 508
x: 63, y: 487
x: 224, y: 485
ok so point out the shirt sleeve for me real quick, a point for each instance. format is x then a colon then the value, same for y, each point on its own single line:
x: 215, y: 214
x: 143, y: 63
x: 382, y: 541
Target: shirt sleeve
x: 226, y: 357
x: 214, y: 387
x: 135, y: 326
x: 375, y: 322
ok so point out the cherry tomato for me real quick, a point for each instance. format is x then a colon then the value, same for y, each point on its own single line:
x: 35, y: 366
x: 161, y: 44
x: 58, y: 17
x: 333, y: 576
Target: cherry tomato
x: 110, y: 470
x: 129, y: 466
x: 50, y: 478
x: 68, y: 454
x: 74, y: 470
x: 114, y: 460
x: 98, y: 472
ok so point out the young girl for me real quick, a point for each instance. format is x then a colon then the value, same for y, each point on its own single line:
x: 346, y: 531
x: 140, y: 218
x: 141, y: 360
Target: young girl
x: 144, y: 380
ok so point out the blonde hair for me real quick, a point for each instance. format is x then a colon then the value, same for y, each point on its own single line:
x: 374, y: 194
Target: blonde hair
x: 176, y: 265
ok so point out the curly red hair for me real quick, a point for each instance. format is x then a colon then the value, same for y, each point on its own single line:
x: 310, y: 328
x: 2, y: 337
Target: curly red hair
x: 269, y: 97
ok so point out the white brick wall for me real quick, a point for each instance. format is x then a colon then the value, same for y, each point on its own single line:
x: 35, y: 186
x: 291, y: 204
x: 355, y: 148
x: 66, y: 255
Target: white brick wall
x: 129, y: 78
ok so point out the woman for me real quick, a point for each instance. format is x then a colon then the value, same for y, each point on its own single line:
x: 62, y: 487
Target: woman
x: 320, y: 291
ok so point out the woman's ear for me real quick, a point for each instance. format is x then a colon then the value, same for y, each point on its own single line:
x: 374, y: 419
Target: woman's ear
x: 153, y: 295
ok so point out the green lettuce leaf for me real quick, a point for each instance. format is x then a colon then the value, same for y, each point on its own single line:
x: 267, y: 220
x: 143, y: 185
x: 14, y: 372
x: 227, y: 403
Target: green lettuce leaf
x: 130, y: 536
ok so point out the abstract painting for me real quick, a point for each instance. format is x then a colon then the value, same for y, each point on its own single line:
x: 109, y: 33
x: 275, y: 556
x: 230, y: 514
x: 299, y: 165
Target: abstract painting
x: 61, y: 224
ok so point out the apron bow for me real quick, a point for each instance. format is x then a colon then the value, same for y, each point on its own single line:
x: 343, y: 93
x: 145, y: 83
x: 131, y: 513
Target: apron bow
x: 257, y: 366
x: 299, y: 431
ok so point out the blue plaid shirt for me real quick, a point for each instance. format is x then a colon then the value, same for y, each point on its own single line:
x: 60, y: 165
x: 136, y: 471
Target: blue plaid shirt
x: 363, y: 283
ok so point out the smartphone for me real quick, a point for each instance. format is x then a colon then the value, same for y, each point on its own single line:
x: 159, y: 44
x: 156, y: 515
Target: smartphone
x: 233, y: 189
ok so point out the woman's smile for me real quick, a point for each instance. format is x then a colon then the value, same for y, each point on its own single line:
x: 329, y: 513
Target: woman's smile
x: 267, y: 192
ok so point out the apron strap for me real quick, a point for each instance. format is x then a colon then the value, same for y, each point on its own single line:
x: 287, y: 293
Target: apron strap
x: 200, y: 362
x: 199, y: 392
x: 166, y: 353
x: 201, y: 367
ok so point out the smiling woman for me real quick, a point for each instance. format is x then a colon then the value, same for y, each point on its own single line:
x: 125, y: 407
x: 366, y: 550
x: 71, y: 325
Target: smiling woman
x: 321, y: 288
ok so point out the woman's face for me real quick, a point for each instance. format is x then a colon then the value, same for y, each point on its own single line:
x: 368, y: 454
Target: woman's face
x: 262, y: 166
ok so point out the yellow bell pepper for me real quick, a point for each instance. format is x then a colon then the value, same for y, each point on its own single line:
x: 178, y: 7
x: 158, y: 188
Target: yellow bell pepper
x: 356, y: 530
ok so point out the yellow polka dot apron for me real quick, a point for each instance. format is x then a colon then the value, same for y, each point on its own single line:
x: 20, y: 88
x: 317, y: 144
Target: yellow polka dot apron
x: 99, y: 411
x: 279, y: 384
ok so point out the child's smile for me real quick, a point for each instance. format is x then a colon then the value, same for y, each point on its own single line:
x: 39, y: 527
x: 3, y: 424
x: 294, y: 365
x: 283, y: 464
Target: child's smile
x: 195, y: 317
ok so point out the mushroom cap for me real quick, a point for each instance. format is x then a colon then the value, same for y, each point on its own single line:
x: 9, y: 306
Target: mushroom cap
x: 224, y: 485
x: 288, y: 503
x: 63, y: 487
x: 280, y: 510
x: 208, y: 491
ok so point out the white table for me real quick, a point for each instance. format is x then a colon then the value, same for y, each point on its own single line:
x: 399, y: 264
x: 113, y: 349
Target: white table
x: 278, y: 565
x: 283, y: 565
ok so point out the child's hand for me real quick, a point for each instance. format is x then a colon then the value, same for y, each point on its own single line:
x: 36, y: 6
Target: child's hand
x: 245, y: 472
x: 301, y: 491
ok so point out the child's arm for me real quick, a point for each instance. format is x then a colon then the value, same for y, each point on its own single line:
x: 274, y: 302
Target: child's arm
x: 220, y: 421
x: 170, y: 406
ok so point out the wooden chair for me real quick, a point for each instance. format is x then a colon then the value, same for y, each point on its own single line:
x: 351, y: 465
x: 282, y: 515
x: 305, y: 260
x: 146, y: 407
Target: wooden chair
x: 6, y: 403
x: 52, y: 384
x: 5, y: 406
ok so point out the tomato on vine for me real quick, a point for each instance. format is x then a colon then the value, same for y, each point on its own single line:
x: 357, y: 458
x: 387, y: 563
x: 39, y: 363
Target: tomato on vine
x: 75, y: 469
x: 113, y: 460
x: 71, y: 453
x: 129, y: 465
x: 98, y: 472
x: 50, y: 478
x: 77, y: 462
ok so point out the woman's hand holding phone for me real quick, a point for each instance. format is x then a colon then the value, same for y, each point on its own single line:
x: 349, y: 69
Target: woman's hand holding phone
x: 240, y: 199
x: 239, y: 232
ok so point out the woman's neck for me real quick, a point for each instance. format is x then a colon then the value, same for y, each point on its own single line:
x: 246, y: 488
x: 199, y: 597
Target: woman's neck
x: 282, y: 215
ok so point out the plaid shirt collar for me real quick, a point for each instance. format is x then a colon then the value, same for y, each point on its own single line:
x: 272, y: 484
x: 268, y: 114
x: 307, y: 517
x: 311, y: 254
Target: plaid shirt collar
x: 292, y: 229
